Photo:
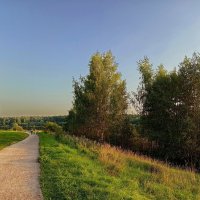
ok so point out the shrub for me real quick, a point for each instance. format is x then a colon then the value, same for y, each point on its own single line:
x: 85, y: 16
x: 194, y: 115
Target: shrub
x: 16, y: 127
x: 54, y: 128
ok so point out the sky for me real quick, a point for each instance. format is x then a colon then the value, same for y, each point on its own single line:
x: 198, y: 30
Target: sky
x: 45, y: 43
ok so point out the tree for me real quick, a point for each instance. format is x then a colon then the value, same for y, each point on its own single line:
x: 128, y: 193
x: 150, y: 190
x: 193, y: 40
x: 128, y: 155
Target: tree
x: 16, y: 127
x: 146, y: 79
x: 190, y: 99
x: 3, y: 123
x: 100, y: 99
x: 54, y: 128
x: 170, y: 104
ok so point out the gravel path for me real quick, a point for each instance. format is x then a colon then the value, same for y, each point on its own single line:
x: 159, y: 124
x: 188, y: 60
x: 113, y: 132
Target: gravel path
x: 19, y: 171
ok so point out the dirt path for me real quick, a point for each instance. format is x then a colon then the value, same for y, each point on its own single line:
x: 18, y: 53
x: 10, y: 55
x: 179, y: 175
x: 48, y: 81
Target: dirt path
x: 19, y: 171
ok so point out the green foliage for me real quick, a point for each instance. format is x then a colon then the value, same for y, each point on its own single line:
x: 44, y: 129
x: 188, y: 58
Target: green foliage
x: 16, y: 127
x: 170, y: 111
x: 145, y: 68
x: 146, y: 79
x: 30, y: 123
x: 100, y: 99
x: 54, y: 128
x: 75, y: 168
x: 9, y: 137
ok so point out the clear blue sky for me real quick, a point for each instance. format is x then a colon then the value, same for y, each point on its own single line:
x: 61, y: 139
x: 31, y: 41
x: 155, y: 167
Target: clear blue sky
x: 44, y: 43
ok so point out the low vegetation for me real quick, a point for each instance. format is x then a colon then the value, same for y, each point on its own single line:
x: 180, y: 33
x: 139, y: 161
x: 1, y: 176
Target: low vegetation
x: 75, y: 168
x: 9, y: 137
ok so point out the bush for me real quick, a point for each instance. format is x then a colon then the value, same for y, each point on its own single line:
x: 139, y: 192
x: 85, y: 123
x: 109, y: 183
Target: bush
x: 16, y: 127
x: 54, y: 128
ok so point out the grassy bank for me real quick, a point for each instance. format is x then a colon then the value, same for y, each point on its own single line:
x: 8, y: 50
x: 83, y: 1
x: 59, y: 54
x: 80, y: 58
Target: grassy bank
x: 75, y: 168
x: 9, y: 137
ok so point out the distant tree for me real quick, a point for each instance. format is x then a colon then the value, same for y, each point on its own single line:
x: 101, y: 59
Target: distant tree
x: 16, y: 127
x: 4, y: 123
x: 18, y: 120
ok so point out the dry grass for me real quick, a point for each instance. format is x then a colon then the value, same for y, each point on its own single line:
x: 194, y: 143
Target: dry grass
x: 117, y: 159
x: 106, y: 172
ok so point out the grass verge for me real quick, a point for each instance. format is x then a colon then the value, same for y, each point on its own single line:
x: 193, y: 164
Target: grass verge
x: 9, y: 137
x: 78, y: 169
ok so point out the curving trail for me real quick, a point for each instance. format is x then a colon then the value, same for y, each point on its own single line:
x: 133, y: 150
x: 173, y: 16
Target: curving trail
x: 19, y: 170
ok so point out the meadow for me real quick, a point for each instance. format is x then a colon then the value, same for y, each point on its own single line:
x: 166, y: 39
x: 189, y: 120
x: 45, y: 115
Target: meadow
x: 78, y: 169
x: 9, y: 137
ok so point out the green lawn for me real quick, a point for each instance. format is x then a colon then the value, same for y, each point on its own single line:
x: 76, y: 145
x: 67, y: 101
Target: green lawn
x: 75, y: 168
x: 9, y: 137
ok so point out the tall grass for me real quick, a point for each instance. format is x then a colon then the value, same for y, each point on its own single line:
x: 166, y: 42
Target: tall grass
x: 77, y: 168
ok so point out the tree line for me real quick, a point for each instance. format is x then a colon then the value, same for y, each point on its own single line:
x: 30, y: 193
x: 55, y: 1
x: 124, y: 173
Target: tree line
x: 169, y: 106
x: 167, y: 124
x: 30, y: 123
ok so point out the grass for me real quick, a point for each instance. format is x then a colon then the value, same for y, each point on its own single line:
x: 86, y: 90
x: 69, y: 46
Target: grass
x: 9, y: 137
x: 78, y: 169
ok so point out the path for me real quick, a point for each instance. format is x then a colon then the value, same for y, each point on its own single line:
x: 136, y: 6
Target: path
x: 19, y: 171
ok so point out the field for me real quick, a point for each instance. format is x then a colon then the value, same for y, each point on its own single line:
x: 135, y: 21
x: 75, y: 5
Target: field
x: 74, y: 168
x: 9, y: 137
